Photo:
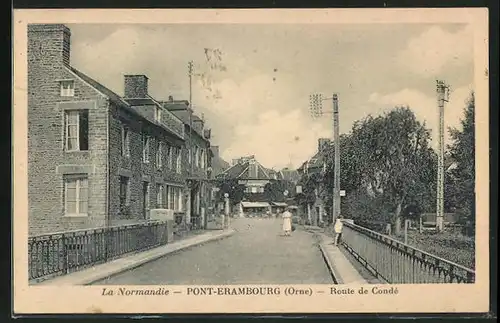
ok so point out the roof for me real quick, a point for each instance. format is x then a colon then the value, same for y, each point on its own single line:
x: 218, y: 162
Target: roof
x: 254, y: 204
x: 243, y: 170
x: 115, y: 98
x: 101, y: 88
x: 279, y: 204
x: 291, y: 175
x: 315, y: 162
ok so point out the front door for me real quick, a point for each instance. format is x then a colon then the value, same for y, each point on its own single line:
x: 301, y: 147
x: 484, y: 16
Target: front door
x: 145, y: 199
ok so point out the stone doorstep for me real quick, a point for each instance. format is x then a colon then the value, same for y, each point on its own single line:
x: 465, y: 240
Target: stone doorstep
x: 340, y: 267
x: 99, y: 272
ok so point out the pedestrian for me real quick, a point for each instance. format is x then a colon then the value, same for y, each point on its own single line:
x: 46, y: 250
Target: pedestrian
x: 337, y: 228
x: 287, y: 222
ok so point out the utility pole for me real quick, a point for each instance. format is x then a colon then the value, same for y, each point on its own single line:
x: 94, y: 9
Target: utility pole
x: 442, y: 97
x: 189, y: 209
x: 336, y: 176
x: 316, y: 107
x: 190, y: 70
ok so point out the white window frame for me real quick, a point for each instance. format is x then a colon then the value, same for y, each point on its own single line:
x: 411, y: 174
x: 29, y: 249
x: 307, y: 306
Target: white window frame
x: 159, y: 195
x: 178, y: 161
x: 67, y: 125
x: 145, y: 149
x: 202, y: 158
x: 159, y: 155
x: 125, y: 141
x: 67, y: 88
x: 180, y: 200
x: 78, y: 185
x: 158, y: 114
x: 170, y: 156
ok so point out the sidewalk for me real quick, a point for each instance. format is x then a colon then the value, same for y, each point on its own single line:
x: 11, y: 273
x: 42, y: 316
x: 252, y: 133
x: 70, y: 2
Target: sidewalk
x: 341, y: 268
x: 102, y: 271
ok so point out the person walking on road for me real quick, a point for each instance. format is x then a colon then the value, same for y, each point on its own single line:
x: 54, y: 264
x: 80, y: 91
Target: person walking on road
x: 337, y: 228
x: 287, y: 222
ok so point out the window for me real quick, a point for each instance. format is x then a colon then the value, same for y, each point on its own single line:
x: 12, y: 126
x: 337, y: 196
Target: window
x: 179, y: 160
x: 67, y: 88
x: 159, y: 196
x: 158, y: 114
x: 76, y: 130
x: 125, y: 142
x: 180, y: 199
x: 202, y: 161
x: 196, y: 156
x: 145, y: 149
x: 124, y: 192
x: 171, y: 198
x: 170, y: 152
x: 145, y: 199
x: 159, y: 154
x: 76, y: 196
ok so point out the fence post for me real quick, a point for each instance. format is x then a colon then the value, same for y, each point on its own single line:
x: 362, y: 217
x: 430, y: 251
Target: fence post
x: 406, y: 231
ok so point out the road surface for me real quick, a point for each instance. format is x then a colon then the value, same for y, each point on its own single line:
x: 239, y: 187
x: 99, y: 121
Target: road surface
x: 257, y: 253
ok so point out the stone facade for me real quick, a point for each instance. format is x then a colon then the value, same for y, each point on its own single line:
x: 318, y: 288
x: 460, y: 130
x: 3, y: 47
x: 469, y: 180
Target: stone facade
x: 62, y: 99
x: 48, y: 160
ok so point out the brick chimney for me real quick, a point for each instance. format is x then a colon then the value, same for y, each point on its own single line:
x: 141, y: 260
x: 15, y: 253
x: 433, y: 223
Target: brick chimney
x: 48, y: 44
x: 215, y: 150
x: 323, y: 143
x: 136, y: 86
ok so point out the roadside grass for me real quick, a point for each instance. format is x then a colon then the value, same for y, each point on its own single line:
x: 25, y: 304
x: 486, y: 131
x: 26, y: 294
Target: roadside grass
x: 450, y: 245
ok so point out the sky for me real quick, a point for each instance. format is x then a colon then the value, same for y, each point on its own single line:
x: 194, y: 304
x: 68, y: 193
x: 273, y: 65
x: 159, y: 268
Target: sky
x: 252, y: 82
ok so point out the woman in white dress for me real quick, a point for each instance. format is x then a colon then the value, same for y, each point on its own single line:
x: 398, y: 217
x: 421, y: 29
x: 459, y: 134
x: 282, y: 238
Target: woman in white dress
x: 287, y: 222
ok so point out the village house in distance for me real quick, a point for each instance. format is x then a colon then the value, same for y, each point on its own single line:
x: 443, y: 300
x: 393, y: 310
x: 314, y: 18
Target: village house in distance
x: 254, y: 176
x: 97, y: 159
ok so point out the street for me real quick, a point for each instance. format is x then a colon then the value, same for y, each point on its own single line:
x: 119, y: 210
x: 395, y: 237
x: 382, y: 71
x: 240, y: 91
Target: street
x: 255, y: 254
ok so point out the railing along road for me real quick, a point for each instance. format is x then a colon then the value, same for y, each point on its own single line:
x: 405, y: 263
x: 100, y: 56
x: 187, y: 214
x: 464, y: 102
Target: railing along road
x: 399, y: 263
x: 61, y: 253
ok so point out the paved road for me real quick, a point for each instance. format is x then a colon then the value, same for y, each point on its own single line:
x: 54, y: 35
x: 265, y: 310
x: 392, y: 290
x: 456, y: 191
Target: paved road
x: 255, y: 254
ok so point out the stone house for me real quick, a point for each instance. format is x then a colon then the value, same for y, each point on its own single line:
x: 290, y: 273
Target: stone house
x: 96, y: 159
x: 316, y: 211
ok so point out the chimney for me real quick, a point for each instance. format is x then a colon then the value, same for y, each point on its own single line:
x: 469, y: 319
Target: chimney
x: 323, y: 143
x: 49, y: 44
x: 215, y: 150
x: 136, y: 86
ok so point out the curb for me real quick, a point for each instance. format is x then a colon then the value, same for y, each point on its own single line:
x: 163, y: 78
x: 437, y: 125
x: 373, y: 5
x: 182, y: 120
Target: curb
x: 331, y: 268
x: 155, y: 257
x: 110, y: 273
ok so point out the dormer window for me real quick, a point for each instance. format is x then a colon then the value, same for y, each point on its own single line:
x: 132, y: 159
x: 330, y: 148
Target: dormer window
x: 67, y: 87
x: 158, y: 114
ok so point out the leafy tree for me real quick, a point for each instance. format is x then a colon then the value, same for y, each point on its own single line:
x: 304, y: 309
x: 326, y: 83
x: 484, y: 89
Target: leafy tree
x: 235, y: 190
x: 274, y: 190
x: 462, y: 151
x: 393, y: 157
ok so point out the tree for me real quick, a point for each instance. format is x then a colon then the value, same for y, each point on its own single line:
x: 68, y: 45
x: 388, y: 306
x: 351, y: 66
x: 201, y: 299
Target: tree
x: 231, y: 186
x: 393, y: 157
x: 462, y: 151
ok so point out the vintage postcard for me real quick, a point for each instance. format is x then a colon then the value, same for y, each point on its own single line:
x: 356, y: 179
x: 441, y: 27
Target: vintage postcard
x: 251, y: 161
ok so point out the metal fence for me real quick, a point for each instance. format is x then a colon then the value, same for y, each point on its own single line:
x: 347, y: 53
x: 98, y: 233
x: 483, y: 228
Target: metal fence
x: 399, y: 263
x: 61, y: 253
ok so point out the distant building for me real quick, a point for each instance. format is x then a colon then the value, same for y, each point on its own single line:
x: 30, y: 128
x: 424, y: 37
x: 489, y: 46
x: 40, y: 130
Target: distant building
x: 316, y: 165
x: 95, y: 158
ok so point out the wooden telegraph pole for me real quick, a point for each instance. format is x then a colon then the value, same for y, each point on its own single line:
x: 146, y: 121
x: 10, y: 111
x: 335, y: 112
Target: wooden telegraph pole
x: 336, y: 141
x: 442, y: 97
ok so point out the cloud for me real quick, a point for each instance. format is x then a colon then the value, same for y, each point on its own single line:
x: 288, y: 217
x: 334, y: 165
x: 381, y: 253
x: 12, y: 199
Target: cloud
x: 277, y: 137
x: 435, y: 49
x: 425, y: 107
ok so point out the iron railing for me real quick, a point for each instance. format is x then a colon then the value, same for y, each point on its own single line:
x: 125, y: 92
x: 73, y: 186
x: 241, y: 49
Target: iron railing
x: 399, y: 263
x: 65, y: 252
